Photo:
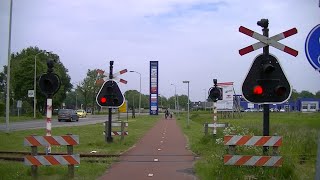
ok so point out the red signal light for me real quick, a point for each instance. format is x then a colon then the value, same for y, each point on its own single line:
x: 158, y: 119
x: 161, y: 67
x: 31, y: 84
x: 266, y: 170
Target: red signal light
x: 258, y: 90
x: 103, y: 100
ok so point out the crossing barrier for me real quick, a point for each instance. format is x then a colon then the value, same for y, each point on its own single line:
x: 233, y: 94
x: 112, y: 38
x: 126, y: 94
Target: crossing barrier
x: 122, y: 131
x: 250, y: 160
x: 35, y: 160
x: 206, y: 126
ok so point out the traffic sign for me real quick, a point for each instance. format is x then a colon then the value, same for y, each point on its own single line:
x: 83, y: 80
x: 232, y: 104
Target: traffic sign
x: 265, y: 41
x: 30, y: 93
x: 312, y: 47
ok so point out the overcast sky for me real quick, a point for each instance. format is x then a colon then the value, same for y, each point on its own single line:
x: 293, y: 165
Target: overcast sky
x: 195, y: 40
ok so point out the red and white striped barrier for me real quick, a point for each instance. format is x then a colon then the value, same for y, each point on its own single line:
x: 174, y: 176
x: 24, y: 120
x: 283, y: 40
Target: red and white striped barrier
x: 265, y: 41
x: 248, y: 160
x: 52, y: 160
x: 242, y: 160
x: 118, y: 133
x: 253, y: 140
x: 51, y: 140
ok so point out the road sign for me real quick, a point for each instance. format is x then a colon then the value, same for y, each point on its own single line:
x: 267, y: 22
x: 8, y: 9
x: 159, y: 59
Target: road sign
x: 123, y: 107
x: 312, y: 47
x: 30, y: 93
x: 265, y: 41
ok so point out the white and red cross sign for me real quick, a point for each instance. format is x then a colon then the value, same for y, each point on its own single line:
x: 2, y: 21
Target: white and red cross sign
x: 115, y: 76
x: 268, y: 41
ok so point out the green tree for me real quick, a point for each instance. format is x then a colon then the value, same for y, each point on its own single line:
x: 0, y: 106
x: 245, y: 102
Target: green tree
x: 88, y: 89
x: 317, y: 94
x: 306, y: 94
x: 22, y: 76
x: 294, y: 95
x: 183, y: 100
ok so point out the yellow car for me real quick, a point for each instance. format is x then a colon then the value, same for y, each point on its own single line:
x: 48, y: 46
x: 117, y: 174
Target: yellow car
x: 81, y: 113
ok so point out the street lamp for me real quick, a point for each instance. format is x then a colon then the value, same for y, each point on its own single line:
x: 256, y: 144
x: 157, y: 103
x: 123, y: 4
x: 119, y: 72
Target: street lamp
x: 188, y: 102
x: 139, y: 91
x: 35, y: 84
x: 175, y: 97
x: 205, y: 99
x: 160, y: 100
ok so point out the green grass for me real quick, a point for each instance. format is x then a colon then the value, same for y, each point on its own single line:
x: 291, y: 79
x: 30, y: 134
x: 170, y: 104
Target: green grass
x: 299, y: 131
x: 91, y: 138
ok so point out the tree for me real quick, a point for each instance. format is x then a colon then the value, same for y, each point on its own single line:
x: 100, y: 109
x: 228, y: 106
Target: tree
x: 317, y: 94
x: 183, y: 100
x: 306, y: 94
x: 89, y: 89
x: 22, y: 76
x: 294, y: 95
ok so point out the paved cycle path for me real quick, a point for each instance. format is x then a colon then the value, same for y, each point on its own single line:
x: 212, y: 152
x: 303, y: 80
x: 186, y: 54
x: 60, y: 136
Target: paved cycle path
x: 161, y: 154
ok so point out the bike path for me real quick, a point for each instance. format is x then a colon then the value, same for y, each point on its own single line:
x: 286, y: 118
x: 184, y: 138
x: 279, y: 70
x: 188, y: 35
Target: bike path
x: 161, y: 154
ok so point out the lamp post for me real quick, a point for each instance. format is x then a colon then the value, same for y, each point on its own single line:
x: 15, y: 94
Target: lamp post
x: 175, y: 97
x: 160, y: 100
x: 205, y: 99
x: 35, y: 84
x: 139, y: 91
x: 188, y: 103
x: 8, y: 73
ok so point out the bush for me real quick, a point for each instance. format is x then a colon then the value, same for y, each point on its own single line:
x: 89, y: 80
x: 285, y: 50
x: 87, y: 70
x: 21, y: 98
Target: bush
x: 2, y: 109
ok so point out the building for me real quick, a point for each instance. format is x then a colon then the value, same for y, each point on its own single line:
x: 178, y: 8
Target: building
x: 301, y: 104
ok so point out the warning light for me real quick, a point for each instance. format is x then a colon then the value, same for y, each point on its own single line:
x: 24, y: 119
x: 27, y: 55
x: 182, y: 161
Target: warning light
x: 103, y: 100
x: 280, y: 90
x: 257, y: 90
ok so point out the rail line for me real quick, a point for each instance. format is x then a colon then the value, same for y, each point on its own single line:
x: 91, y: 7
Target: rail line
x: 17, y: 155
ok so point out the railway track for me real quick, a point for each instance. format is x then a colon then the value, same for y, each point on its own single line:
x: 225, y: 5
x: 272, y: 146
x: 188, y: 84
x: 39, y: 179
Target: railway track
x: 19, y: 155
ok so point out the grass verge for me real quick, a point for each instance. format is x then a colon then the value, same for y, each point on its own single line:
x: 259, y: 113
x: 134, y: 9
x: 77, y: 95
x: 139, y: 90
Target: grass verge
x: 91, y: 138
x: 299, y: 131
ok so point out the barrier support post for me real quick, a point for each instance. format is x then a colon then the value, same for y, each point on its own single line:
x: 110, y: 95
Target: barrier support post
x: 71, y: 166
x: 34, y: 168
x: 205, y: 129
x: 122, y: 130
x: 232, y: 149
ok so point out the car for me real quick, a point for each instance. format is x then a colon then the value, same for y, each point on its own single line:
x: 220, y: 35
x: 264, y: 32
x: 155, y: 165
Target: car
x: 67, y: 115
x: 81, y: 113
x: 282, y: 110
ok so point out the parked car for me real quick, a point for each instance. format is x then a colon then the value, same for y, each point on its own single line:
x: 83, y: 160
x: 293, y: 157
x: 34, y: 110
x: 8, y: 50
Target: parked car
x: 282, y: 110
x: 67, y: 115
x: 81, y: 113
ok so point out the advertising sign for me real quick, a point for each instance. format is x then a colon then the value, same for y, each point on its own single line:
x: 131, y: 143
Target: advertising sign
x: 154, y: 87
x: 227, y: 99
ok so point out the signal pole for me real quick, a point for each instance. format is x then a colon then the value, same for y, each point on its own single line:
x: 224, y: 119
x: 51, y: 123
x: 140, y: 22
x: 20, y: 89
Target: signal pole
x: 109, y: 137
x: 266, y: 116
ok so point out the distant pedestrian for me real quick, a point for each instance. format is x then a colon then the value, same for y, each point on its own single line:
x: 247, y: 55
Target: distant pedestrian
x: 133, y: 113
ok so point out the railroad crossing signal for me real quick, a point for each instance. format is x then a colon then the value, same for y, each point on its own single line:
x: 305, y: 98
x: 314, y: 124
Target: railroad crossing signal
x: 49, y: 82
x: 110, y: 95
x: 265, y: 41
x: 215, y: 93
x: 266, y: 82
x: 106, y: 78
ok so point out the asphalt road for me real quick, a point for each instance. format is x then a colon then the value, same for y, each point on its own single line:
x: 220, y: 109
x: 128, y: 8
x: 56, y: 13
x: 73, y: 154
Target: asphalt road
x: 38, y: 124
